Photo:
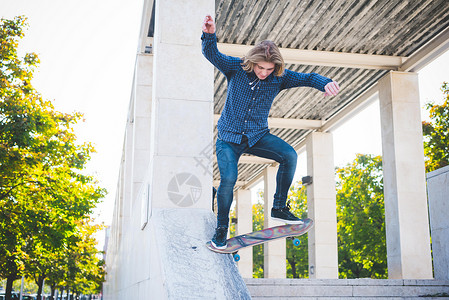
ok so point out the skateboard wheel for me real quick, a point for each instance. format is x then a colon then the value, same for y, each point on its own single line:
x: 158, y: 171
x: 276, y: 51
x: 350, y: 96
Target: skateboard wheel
x: 296, y: 242
x: 236, y: 257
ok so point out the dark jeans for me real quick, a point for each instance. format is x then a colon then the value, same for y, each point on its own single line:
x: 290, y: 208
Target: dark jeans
x: 269, y: 146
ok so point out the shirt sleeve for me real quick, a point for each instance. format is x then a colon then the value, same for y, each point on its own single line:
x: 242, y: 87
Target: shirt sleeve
x: 226, y: 64
x: 292, y: 79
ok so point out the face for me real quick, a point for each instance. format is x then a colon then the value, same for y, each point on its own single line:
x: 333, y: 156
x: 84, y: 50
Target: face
x: 263, y: 69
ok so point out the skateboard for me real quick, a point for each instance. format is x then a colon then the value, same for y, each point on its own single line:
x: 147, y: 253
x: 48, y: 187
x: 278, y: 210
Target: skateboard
x: 262, y: 236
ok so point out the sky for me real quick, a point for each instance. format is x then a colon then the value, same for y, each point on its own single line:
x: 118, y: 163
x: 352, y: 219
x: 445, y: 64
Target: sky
x: 88, y: 49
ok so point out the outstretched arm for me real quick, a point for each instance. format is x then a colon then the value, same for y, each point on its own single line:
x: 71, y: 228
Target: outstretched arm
x: 226, y: 64
x: 291, y: 79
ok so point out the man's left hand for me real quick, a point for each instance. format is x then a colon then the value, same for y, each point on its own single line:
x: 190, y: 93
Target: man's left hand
x: 331, y: 89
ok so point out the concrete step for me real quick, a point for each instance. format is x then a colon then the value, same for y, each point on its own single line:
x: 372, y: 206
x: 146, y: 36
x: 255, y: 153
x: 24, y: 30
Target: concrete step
x: 331, y: 289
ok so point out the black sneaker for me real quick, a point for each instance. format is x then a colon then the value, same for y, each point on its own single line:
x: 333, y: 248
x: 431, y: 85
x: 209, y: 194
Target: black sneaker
x: 219, y: 239
x: 284, y: 215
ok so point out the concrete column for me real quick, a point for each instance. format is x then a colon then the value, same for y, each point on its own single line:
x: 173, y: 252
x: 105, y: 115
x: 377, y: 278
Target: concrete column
x: 406, y: 214
x: 275, y: 265
x: 244, y: 225
x: 180, y: 174
x: 321, y: 199
x: 119, y: 197
x: 438, y: 191
x: 143, y: 81
x: 125, y: 209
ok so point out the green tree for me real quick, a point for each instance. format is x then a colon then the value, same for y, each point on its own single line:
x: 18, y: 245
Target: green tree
x: 82, y: 267
x: 55, y: 278
x: 43, y: 192
x: 56, y: 211
x: 360, y: 214
x: 16, y: 127
x: 436, y: 133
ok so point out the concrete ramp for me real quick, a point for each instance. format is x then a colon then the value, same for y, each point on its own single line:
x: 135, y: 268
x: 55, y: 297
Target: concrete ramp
x: 188, y: 268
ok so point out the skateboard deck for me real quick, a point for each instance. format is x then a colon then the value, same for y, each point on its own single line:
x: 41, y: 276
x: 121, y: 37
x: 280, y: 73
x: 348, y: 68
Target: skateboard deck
x: 262, y: 236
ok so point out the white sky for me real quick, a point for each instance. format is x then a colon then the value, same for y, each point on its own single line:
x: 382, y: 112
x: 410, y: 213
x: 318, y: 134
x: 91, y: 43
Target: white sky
x: 87, y: 50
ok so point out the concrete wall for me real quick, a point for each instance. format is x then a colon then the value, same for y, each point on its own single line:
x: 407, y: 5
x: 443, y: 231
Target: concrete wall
x: 438, y: 192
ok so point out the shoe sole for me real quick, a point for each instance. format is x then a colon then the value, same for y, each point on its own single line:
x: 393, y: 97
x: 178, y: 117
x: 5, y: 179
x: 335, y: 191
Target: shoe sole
x: 218, y: 247
x: 300, y: 222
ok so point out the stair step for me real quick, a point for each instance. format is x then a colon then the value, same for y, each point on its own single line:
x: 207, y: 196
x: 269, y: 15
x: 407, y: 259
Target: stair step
x: 264, y: 288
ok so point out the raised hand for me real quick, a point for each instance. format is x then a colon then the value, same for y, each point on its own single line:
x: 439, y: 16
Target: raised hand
x: 331, y: 89
x: 208, y: 25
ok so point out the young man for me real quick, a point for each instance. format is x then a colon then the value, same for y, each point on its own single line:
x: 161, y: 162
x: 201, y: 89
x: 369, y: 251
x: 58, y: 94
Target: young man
x: 253, y: 83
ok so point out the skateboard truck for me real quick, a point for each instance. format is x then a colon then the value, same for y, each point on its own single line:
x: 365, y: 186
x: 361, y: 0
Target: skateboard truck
x: 307, y: 180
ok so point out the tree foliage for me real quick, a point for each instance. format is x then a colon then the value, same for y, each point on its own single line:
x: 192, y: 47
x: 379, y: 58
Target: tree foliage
x: 82, y: 269
x: 44, y: 195
x: 361, y: 222
x: 436, y: 133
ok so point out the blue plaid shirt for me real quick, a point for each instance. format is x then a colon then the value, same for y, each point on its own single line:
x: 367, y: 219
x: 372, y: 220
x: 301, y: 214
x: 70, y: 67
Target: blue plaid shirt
x: 249, y: 99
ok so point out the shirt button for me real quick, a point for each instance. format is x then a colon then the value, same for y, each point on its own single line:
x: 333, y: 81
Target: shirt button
x: 254, y: 98
x: 245, y: 121
x: 243, y: 132
x: 249, y: 109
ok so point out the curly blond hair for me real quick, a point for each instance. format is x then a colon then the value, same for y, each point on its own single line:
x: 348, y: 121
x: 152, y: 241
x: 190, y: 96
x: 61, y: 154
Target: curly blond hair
x: 264, y: 51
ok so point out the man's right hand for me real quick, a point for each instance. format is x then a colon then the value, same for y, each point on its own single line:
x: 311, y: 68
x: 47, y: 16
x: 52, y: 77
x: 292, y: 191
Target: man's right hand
x: 208, y: 25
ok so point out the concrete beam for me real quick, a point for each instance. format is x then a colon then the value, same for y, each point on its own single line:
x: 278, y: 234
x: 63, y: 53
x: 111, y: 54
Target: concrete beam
x: 346, y: 113
x: 353, y: 108
x: 325, y: 58
x: 252, y: 160
x: 288, y: 123
x: 239, y: 183
x: 294, y: 123
x: 144, y: 40
x: 428, y: 53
